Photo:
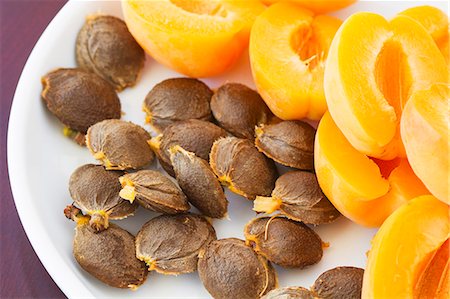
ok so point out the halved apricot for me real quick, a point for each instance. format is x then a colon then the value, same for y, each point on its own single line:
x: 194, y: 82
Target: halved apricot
x: 363, y: 189
x: 425, y: 134
x: 435, y: 21
x: 409, y: 257
x: 198, y: 38
x: 318, y: 6
x: 373, y: 66
x: 288, y: 49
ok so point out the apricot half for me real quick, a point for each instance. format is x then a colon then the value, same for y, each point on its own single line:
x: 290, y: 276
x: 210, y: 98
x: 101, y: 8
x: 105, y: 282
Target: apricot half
x: 364, y: 190
x: 373, y: 66
x: 198, y: 38
x: 288, y: 49
x: 410, y: 253
x: 318, y: 6
x: 425, y: 134
x: 435, y: 21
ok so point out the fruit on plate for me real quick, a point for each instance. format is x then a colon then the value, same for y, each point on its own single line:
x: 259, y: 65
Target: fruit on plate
x: 289, y: 73
x: 318, y: 6
x: 363, y: 189
x: 198, y: 38
x: 435, y: 22
x: 424, y: 131
x: 409, y: 257
x: 373, y: 67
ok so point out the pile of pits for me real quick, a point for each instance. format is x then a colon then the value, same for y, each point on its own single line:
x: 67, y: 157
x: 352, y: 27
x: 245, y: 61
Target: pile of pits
x: 206, y: 140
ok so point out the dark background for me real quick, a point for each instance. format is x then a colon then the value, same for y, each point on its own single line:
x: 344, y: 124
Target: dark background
x: 21, y: 24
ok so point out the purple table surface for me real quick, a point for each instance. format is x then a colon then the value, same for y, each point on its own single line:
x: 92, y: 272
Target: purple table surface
x: 22, y: 274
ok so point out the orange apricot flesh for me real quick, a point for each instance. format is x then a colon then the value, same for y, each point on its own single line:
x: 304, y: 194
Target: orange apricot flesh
x: 373, y: 67
x: 425, y: 134
x: 318, y: 6
x: 410, y: 253
x: 363, y: 189
x: 198, y: 38
x: 288, y: 49
x: 435, y: 21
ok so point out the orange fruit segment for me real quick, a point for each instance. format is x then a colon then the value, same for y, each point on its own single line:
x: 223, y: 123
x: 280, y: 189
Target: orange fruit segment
x: 425, y: 133
x: 364, y: 190
x: 288, y: 49
x: 435, y: 22
x: 318, y: 6
x: 198, y: 38
x: 410, y: 253
x: 373, y: 66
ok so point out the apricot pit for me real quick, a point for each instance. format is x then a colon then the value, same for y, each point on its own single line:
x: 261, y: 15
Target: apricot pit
x: 119, y: 144
x: 109, y: 255
x: 153, y: 191
x: 298, y: 196
x: 177, y: 99
x: 284, y: 242
x: 230, y: 269
x: 105, y: 46
x: 96, y: 192
x: 170, y: 244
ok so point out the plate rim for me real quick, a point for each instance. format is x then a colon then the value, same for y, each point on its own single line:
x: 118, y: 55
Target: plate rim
x: 34, y: 230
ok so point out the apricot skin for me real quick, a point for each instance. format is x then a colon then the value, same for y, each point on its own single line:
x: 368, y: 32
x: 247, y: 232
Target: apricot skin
x: 373, y: 66
x: 362, y: 190
x: 318, y: 6
x: 289, y: 73
x: 404, y: 247
x: 424, y: 130
x: 435, y: 21
x: 192, y: 40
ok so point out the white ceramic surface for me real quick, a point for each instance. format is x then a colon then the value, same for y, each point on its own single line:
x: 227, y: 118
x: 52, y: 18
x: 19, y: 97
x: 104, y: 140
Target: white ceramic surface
x: 41, y: 160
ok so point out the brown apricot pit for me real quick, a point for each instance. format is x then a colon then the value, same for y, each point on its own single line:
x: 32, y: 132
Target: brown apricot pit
x: 199, y: 183
x: 242, y: 168
x: 105, y: 46
x: 119, y: 144
x: 289, y: 293
x: 230, y: 269
x: 79, y: 99
x: 96, y: 192
x: 238, y: 109
x: 153, y: 191
x: 169, y: 244
x: 196, y: 136
x: 290, y: 143
x: 339, y: 283
x: 284, y: 242
x: 109, y: 255
x: 177, y: 99
x: 298, y: 196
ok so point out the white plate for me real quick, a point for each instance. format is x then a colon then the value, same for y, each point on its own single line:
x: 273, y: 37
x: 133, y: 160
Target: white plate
x: 41, y: 160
